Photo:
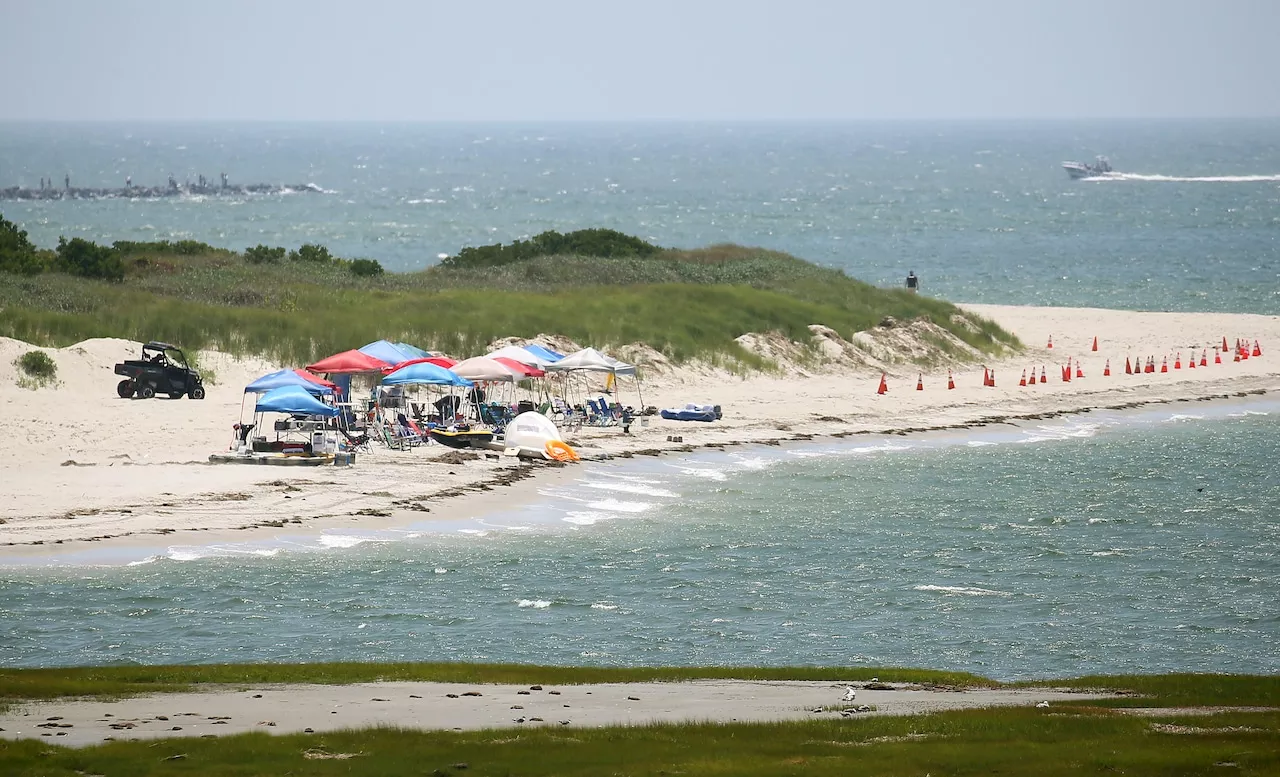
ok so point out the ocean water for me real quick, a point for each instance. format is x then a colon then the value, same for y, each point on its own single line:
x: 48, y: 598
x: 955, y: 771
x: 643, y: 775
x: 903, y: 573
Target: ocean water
x: 982, y: 212
x: 1111, y: 542
x: 1108, y: 542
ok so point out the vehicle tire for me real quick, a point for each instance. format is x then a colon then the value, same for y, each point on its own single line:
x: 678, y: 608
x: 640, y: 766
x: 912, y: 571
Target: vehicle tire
x: 146, y: 392
x: 175, y: 395
x: 125, y: 388
x: 197, y: 392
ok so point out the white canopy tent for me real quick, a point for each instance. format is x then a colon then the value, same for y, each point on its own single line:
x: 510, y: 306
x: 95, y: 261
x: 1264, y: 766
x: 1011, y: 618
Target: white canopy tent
x: 591, y: 360
x: 516, y: 353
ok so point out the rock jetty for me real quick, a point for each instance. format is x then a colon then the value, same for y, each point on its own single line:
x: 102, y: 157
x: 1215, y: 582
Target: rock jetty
x: 202, y: 187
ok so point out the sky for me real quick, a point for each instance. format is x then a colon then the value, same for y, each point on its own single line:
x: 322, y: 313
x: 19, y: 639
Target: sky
x: 575, y: 60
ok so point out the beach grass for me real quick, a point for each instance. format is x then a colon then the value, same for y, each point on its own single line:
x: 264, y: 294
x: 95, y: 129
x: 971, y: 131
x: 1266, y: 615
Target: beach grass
x: 1018, y: 741
x: 686, y: 304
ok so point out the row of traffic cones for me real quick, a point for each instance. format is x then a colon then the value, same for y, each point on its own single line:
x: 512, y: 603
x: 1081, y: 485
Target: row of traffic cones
x: 1132, y: 366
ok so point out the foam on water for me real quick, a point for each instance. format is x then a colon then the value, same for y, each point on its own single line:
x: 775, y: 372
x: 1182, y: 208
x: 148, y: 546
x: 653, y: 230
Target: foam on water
x: 960, y: 590
x: 632, y: 488
x: 1186, y: 178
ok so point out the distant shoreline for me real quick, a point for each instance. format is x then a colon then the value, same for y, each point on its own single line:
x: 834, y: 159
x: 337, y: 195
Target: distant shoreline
x: 151, y: 192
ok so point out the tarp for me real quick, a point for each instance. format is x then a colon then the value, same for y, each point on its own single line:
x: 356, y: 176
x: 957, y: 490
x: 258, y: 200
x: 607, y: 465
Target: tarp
x: 424, y: 373
x: 521, y: 355
x: 280, y: 378
x: 348, y: 363
x: 592, y: 360
x: 294, y: 400
x: 317, y: 379
x: 518, y: 367
x: 388, y: 352
x: 546, y: 354
x: 482, y: 368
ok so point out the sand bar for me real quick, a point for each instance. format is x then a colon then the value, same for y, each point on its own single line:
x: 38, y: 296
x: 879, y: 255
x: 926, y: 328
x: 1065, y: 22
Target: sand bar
x: 87, y: 467
x: 288, y: 709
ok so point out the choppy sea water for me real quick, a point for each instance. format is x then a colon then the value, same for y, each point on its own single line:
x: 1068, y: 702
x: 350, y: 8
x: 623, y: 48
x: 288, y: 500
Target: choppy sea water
x: 1108, y: 542
x: 981, y: 212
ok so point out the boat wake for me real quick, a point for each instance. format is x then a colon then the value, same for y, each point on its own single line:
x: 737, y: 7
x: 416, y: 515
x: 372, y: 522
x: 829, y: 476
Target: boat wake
x: 1114, y: 176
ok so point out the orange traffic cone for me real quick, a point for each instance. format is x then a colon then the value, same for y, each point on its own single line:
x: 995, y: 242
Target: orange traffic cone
x: 951, y: 382
x: 1151, y: 364
x: 1050, y: 345
x: 1217, y: 357
x: 1224, y: 343
x: 1043, y: 379
x: 1204, y: 358
x: 986, y: 377
x: 1244, y: 352
x: 1095, y: 342
x: 1237, y: 357
x: 1164, y: 364
x: 1079, y: 372
x: 1257, y: 349
x: 1023, y: 381
x: 1106, y: 371
x: 1128, y: 367
x: 920, y: 382
x: 1191, y: 363
x: 1177, y: 362
x: 992, y: 384
x: 1066, y: 374
x: 884, y: 384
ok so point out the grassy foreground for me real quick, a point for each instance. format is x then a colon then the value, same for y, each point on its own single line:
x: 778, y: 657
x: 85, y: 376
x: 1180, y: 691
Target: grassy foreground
x: 1087, y: 738
x: 301, y: 305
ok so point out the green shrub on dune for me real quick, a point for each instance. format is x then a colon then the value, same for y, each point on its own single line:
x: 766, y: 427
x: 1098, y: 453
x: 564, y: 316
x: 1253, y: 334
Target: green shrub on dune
x: 595, y: 286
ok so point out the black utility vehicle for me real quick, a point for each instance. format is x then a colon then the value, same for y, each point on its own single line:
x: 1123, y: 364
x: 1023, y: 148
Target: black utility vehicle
x: 162, y: 369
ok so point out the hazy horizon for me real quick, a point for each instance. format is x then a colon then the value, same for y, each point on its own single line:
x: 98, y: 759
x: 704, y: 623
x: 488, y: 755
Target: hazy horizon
x: 750, y: 61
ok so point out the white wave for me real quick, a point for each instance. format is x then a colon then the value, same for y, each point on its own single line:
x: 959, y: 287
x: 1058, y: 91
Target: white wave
x: 1180, y: 417
x: 537, y: 604
x: 189, y: 554
x: 1187, y: 178
x: 980, y: 443
x: 632, y: 488
x: 319, y: 189
x: 603, y: 606
x: 962, y: 590
x: 587, y: 518
x: 147, y: 560
x: 474, y: 532
x: 344, y: 540
x: 754, y: 463
x: 440, y: 571
x: 808, y: 454
x: 615, y: 506
x: 717, y: 475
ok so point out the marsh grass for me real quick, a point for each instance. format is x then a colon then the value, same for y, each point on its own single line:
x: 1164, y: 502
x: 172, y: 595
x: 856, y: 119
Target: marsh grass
x: 994, y: 741
x: 36, y: 370
x: 687, y: 304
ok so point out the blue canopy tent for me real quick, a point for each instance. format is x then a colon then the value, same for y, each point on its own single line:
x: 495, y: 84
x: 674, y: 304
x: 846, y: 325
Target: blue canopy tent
x: 546, y: 354
x: 425, y: 373
x: 417, y: 352
x: 388, y: 352
x: 275, y: 380
x: 294, y: 400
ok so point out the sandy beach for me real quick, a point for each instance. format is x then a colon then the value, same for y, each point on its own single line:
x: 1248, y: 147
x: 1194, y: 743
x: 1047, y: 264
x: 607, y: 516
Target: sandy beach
x: 88, y: 467
x: 292, y: 709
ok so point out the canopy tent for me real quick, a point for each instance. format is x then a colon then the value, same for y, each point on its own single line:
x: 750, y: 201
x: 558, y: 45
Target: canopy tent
x: 484, y: 368
x: 388, y: 352
x: 415, y: 351
x: 274, y: 380
x: 546, y: 354
x: 423, y: 372
x: 521, y: 355
x: 439, y: 361
x: 520, y: 368
x: 591, y: 360
x: 348, y: 363
x: 294, y: 400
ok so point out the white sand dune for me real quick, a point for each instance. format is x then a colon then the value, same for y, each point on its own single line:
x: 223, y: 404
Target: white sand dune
x: 84, y: 465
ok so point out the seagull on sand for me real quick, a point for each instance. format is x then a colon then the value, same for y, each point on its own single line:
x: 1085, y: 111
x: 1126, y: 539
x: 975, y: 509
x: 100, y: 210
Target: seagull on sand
x: 849, y: 694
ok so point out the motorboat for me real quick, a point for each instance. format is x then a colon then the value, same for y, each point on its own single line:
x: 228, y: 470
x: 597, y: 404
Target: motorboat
x: 1078, y: 170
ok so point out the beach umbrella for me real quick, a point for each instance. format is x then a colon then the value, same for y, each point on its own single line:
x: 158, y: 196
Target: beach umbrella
x: 546, y: 354
x: 524, y: 370
x: 348, y: 363
x: 423, y: 372
x: 316, y: 379
x: 439, y: 361
x: 280, y: 378
x: 294, y: 400
x: 388, y: 352
x: 484, y: 368
x: 414, y: 350
x: 521, y: 355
